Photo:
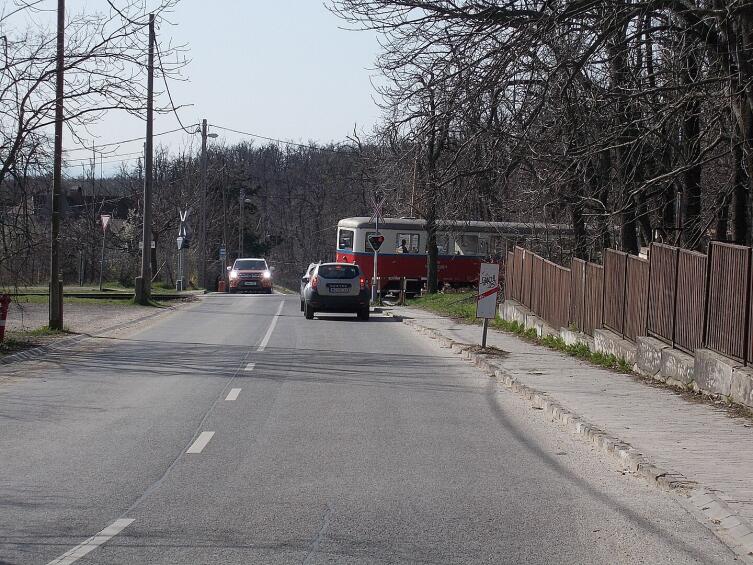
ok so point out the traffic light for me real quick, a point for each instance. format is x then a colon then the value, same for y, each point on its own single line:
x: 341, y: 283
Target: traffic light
x: 376, y: 241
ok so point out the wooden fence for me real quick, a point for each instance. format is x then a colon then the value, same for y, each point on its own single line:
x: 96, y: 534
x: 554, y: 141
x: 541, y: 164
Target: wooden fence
x: 685, y: 298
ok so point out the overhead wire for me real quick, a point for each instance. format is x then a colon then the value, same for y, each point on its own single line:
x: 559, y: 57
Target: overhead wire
x: 282, y: 141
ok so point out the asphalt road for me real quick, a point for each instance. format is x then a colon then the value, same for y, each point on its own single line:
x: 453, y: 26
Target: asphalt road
x: 236, y: 431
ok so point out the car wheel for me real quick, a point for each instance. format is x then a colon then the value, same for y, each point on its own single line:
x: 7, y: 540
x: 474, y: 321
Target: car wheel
x: 363, y: 314
x: 308, y: 312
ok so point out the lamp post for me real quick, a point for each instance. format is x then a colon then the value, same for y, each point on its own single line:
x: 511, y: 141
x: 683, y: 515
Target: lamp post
x: 243, y: 202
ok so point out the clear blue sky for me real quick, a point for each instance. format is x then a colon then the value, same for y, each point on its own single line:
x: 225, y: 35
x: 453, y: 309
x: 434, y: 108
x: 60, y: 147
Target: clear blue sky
x: 280, y: 68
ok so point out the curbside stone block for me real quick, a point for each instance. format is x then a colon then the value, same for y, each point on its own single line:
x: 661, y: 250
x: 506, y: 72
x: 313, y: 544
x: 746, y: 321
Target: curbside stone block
x: 677, y: 368
x: 741, y: 388
x: 649, y: 356
x: 572, y: 337
x: 541, y: 327
x: 713, y: 372
x: 609, y: 343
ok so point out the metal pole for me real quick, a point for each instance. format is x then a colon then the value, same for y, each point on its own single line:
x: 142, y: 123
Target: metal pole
x: 144, y: 282
x: 204, y: 204
x: 55, y: 320
x: 102, y: 258
x: 243, y: 209
x: 374, y: 290
x: 483, y: 334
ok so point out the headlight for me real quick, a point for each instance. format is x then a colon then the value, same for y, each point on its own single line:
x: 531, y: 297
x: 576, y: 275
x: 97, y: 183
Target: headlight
x: 267, y: 274
x: 233, y: 274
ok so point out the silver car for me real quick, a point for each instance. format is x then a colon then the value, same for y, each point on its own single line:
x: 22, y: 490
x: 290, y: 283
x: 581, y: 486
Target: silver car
x: 305, y: 280
x: 336, y: 287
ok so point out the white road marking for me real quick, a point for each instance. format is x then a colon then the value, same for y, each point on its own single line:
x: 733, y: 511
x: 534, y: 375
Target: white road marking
x: 250, y: 367
x: 200, y: 443
x: 233, y: 394
x: 265, y: 341
x: 92, y: 543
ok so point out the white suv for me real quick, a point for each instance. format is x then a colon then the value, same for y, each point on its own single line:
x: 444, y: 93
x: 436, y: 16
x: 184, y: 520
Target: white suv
x: 336, y: 287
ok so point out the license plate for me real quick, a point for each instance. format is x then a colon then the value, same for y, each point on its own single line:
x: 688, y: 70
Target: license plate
x: 249, y: 283
x: 337, y: 290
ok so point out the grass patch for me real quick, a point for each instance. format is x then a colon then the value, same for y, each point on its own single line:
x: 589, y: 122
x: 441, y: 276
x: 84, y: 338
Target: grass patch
x: 462, y: 306
x: 45, y: 331
x: 13, y: 345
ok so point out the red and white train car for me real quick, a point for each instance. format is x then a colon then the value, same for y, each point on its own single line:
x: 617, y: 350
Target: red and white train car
x: 462, y: 246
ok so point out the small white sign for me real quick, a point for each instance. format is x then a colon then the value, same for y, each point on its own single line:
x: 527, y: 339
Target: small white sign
x: 488, y: 289
x: 105, y: 219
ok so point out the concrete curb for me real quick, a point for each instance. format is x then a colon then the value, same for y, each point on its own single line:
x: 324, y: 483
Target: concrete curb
x: 41, y: 351
x: 700, y: 500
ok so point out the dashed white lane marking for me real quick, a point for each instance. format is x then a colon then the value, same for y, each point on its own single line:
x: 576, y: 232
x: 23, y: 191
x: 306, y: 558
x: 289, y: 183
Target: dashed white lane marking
x: 233, y: 394
x: 250, y: 367
x: 265, y: 341
x: 200, y: 443
x: 92, y: 543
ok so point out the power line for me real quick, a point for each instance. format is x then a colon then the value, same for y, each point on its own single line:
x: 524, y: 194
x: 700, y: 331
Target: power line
x: 275, y: 140
x: 123, y: 141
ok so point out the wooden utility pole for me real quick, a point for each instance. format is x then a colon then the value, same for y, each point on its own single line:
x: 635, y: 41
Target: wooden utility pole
x: 204, y: 204
x: 144, y: 282
x: 56, y: 285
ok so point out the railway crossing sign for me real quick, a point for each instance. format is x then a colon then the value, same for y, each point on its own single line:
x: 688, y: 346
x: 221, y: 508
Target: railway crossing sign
x: 377, y: 207
x: 376, y: 240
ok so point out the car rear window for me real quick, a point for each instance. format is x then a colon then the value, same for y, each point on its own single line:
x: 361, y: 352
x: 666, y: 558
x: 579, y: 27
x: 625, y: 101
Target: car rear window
x: 339, y: 271
x: 250, y: 265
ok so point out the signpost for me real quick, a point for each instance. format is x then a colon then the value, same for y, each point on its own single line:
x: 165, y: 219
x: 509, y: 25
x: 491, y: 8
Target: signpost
x: 376, y: 217
x: 488, y: 290
x: 105, y: 219
x: 183, y: 241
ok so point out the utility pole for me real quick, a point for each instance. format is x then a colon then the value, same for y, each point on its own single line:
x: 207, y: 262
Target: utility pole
x: 55, y: 321
x: 144, y: 282
x: 204, y: 204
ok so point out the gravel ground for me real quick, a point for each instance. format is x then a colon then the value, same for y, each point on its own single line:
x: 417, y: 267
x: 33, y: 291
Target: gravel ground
x: 78, y: 317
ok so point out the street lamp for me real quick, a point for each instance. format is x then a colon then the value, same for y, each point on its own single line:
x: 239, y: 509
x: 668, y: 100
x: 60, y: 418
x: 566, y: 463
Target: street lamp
x: 204, y: 136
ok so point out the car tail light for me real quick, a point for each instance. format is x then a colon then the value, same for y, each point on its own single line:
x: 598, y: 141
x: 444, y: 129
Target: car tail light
x: 315, y: 282
x: 364, y: 283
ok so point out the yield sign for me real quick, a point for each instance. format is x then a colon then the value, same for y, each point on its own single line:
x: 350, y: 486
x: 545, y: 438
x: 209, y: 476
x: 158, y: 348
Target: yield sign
x: 105, y: 219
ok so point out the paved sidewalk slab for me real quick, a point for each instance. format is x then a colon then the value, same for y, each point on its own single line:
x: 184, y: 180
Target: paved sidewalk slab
x: 703, y: 443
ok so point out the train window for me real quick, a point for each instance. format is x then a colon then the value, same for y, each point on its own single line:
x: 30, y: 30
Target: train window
x: 407, y: 243
x: 483, y: 246
x: 345, y: 240
x: 466, y: 245
x: 443, y: 243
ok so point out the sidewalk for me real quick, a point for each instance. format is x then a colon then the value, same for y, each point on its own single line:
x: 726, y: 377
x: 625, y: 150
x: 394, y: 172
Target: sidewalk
x: 696, y: 440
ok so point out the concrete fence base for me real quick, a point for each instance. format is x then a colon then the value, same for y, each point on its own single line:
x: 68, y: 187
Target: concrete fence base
x: 706, y: 372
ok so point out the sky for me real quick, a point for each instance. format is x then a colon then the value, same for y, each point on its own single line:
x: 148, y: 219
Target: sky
x: 284, y: 69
